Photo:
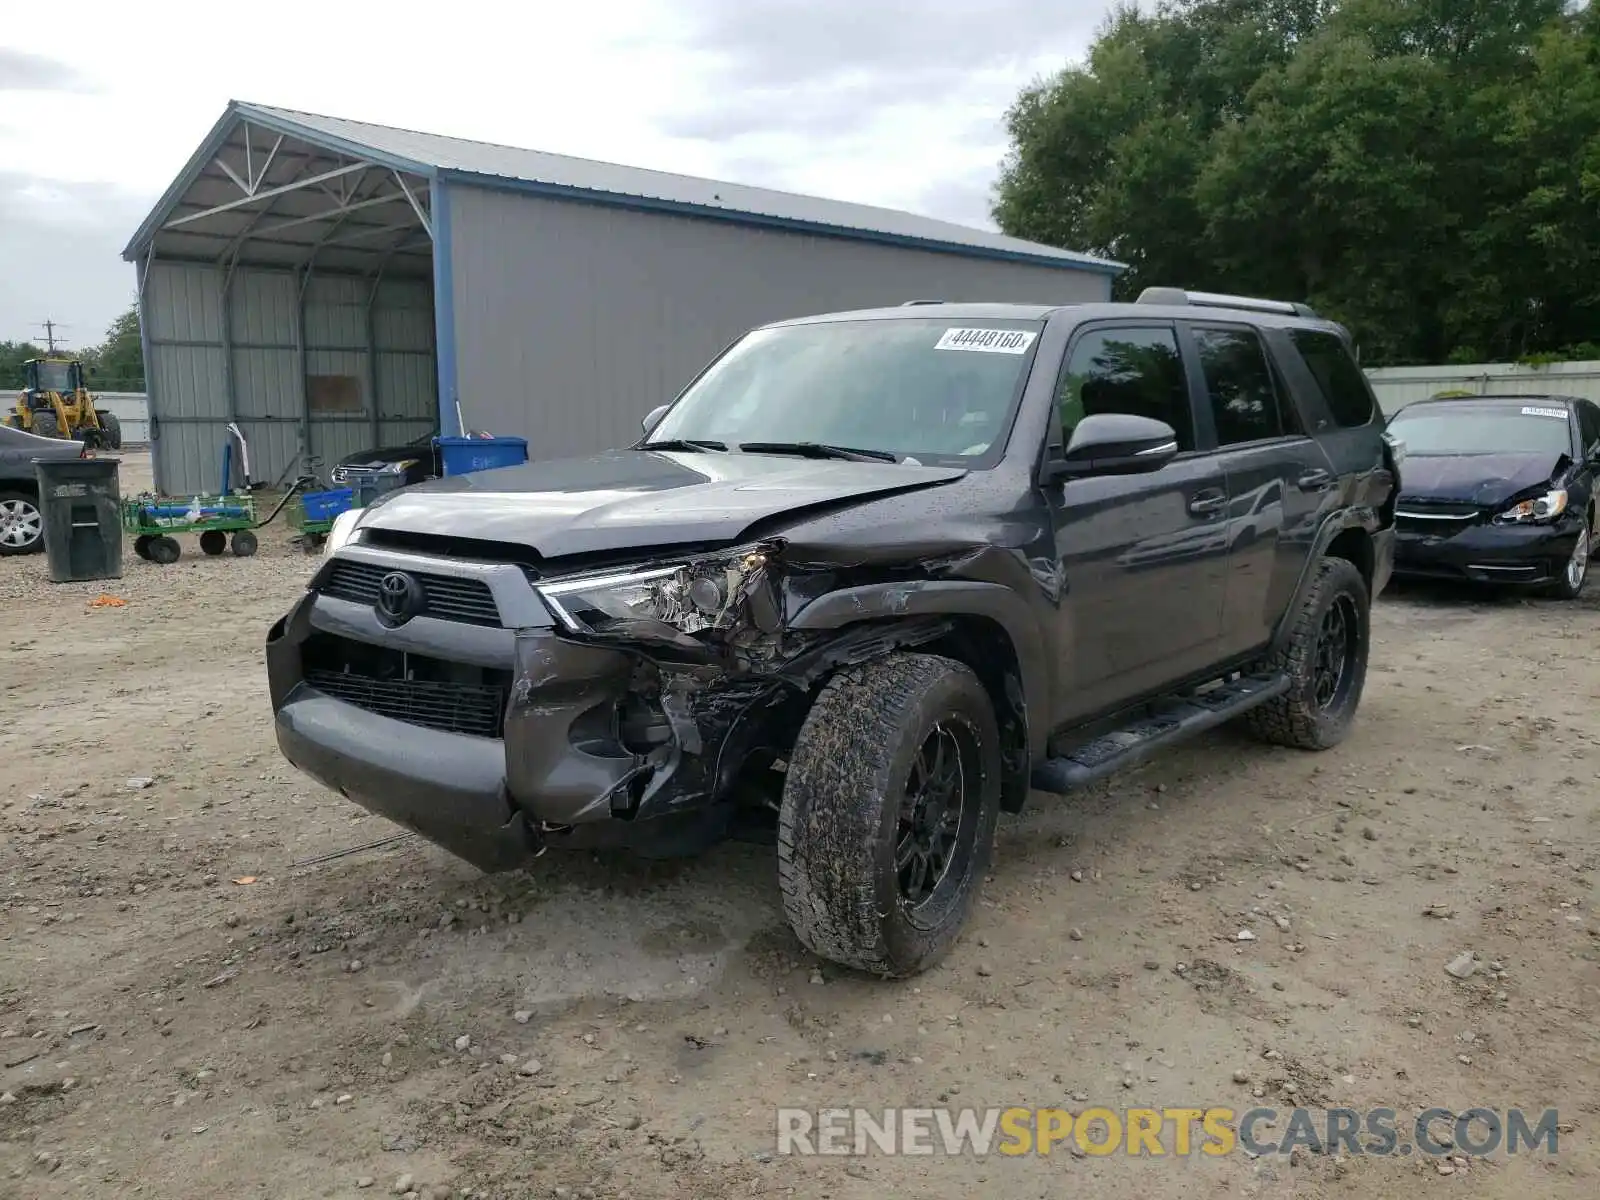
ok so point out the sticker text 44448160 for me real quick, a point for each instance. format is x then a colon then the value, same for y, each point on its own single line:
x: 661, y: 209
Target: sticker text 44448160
x: 987, y: 341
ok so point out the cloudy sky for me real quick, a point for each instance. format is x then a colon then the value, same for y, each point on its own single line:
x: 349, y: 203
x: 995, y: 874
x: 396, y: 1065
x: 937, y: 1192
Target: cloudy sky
x: 894, y: 102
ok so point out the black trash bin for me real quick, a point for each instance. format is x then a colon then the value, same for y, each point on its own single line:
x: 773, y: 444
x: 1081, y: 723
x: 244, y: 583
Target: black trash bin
x: 80, y: 502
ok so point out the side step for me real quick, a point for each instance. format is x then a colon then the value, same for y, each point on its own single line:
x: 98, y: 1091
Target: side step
x: 1166, y: 723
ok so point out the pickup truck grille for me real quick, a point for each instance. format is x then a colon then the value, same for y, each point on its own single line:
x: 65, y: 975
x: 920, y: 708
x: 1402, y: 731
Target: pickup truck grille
x: 446, y: 597
x: 449, y: 707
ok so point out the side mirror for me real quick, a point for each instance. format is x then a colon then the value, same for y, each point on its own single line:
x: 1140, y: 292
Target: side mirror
x: 653, y: 417
x: 1114, y: 444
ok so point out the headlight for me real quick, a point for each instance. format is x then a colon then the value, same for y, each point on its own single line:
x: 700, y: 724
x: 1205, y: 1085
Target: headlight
x: 671, y: 602
x: 1542, y: 508
x: 344, y: 528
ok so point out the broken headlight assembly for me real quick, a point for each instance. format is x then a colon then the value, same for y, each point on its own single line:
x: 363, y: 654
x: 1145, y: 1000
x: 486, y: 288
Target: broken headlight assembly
x: 1533, y: 511
x: 710, y: 592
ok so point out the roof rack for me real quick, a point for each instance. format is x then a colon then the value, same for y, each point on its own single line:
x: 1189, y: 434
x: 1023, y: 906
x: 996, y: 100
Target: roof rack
x: 1178, y: 296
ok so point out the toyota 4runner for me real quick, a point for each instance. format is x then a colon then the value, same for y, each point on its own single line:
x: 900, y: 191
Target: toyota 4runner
x: 871, y: 578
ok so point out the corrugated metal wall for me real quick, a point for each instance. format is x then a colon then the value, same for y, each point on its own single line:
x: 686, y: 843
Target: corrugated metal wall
x: 572, y: 320
x: 249, y: 361
x: 1399, y: 386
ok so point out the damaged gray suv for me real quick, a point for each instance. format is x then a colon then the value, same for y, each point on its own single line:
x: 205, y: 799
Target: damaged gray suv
x: 868, y: 581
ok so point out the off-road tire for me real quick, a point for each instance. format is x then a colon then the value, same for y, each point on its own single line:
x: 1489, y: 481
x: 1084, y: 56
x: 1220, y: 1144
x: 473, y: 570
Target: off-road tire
x: 1295, y: 718
x: 243, y: 544
x: 841, y: 804
x: 164, y: 550
x: 213, y: 542
x: 110, y: 429
x: 45, y: 424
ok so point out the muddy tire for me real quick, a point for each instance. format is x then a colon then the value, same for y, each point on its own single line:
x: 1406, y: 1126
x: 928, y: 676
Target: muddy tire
x: 889, y: 808
x: 1325, y: 658
x: 45, y: 424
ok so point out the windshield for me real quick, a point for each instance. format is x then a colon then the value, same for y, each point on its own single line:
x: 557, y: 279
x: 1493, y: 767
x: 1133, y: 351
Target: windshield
x: 55, y: 377
x: 1531, y: 428
x: 932, y: 389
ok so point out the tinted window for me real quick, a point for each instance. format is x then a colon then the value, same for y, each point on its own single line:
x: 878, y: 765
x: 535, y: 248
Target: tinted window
x: 922, y: 386
x: 1133, y: 371
x: 1342, y: 383
x: 1239, y: 382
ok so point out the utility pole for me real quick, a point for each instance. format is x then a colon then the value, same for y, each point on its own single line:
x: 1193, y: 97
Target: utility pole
x: 50, y: 328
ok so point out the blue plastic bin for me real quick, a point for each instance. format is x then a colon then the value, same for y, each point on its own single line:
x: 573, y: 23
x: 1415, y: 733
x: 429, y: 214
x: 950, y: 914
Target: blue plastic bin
x: 325, y: 506
x: 463, y: 455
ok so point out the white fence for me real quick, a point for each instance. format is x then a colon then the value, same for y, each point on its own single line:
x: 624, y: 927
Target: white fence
x: 1397, y: 387
x: 133, y: 410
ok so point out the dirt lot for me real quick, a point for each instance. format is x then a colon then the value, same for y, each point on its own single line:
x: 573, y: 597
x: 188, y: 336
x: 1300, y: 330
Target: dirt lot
x: 185, y: 1012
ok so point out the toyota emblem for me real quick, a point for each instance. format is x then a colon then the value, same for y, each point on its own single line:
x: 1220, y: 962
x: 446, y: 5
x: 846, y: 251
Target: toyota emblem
x: 399, y: 598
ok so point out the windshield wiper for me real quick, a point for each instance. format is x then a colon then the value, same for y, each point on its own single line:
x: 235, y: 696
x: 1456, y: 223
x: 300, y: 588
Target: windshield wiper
x: 819, y: 450
x: 684, y: 444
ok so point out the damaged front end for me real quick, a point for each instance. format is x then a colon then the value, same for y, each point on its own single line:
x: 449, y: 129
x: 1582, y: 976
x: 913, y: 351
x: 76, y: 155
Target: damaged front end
x: 671, y: 693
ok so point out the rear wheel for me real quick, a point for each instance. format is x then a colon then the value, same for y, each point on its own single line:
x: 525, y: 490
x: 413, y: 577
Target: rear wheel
x: 21, y: 524
x: 244, y: 544
x: 110, y: 429
x: 1325, y: 657
x: 165, y: 550
x: 213, y: 542
x: 888, y: 815
x: 45, y: 424
x: 141, y: 546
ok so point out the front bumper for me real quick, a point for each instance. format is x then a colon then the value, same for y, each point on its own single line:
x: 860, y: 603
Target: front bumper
x: 1486, y: 553
x: 559, y: 773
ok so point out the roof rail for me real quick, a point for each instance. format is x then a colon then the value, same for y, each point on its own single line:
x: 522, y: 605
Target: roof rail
x: 912, y: 303
x: 1178, y: 296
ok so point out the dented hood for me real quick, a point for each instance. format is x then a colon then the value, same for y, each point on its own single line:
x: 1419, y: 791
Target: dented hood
x: 624, y: 499
x: 1483, y: 479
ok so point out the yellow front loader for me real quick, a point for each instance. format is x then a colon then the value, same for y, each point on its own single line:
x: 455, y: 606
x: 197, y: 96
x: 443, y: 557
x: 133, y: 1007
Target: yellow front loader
x: 55, y: 403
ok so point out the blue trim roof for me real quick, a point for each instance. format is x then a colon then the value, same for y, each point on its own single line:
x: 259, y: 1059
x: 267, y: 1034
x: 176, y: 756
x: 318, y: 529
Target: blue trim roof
x: 589, y: 181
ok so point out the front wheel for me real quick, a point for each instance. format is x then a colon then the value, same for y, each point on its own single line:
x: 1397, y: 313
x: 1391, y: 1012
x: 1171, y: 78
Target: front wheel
x: 1325, y: 657
x: 1575, y: 572
x: 889, y: 811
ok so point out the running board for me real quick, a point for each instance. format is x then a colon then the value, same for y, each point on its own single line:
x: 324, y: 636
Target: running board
x: 1169, y: 722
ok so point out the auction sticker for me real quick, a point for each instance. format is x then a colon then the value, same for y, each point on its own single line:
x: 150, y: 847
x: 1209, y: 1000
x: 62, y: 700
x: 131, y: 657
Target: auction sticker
x: 1558, y: 413
x: 987, y: 341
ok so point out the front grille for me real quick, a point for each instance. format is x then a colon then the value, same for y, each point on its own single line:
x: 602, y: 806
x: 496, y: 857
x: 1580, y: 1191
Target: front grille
x: 1438, y: 508
x: 447, y: 597
x: 448, y: 707
x: 415, y: 688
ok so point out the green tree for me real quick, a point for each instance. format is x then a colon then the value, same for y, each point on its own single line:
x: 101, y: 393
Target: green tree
x: 1427, y: 171
x: 12, y: 356
x: 119, y: 360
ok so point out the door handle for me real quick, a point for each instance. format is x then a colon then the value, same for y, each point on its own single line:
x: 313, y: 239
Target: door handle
x: 1315, y: 481
x: 1205, y: 504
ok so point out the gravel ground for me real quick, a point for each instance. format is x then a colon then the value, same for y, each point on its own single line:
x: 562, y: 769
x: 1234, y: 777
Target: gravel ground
x: 186, y: 1012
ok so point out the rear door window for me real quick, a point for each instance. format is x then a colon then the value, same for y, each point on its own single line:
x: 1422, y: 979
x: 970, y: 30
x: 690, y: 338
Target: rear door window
x: 1239, y: 383
x: 1136, y: 371
x: 1343, y: 385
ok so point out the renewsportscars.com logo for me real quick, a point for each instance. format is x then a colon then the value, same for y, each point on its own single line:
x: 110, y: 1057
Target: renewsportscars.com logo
x: 1163, y: 1132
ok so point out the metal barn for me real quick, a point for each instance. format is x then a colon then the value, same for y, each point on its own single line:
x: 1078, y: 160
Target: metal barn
x: 332, y: 285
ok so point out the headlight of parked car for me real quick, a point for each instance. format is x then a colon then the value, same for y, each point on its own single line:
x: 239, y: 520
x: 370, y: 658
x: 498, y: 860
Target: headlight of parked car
x: 1541, y: 508
x: 344, y: 528
x: 710, y: 592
